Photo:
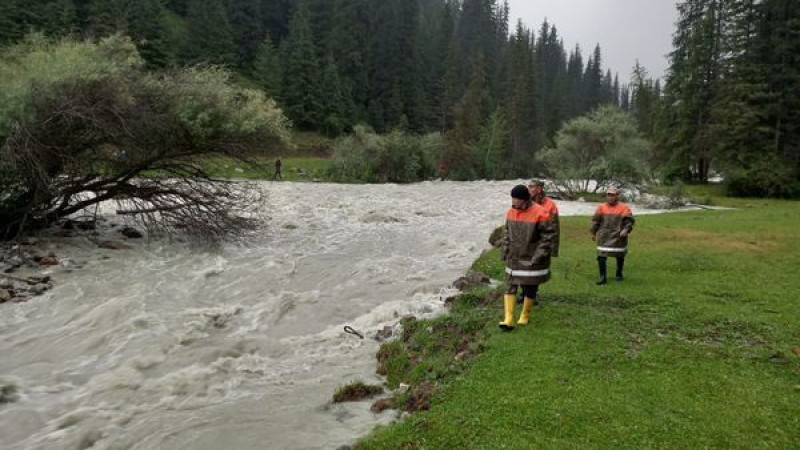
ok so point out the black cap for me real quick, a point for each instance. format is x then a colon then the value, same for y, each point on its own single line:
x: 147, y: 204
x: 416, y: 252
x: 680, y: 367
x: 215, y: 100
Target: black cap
x: 521, y: 192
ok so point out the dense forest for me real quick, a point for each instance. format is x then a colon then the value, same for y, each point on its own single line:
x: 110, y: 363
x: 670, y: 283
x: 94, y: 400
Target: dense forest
x: 421, y: 65
x: 729, y: 103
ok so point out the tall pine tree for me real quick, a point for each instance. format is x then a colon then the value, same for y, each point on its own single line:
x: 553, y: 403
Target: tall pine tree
x: 301, y: 95
x: 748, y: 131
x: 523, y: 102
x: 593, y: 80
x: 691, y: 82
x: 551, y: 68
x: 247, y: 25
x: 468, y: 115
x: 349, y: 46
x: 576, y: 101
x: 644, y: 102
x: 266, y: 68
x: 210, y: 34
x: 51, y: 17
x: 334, y: 112
x: 142, y: 20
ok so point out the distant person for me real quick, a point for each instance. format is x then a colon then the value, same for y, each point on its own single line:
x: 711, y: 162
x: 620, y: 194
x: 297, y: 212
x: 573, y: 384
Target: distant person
x: 611, y: 225
x: 441, y: 171
x: 527, y: 247
x: 278, y: 165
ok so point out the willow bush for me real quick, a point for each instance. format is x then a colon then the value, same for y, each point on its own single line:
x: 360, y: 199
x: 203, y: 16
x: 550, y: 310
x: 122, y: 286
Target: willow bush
x: 83, y: 122
x: 397, y: 157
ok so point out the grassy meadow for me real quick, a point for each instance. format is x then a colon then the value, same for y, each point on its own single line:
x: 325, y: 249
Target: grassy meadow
x: 300, y: 168
x: 308, y: 160
x: 699, y: 347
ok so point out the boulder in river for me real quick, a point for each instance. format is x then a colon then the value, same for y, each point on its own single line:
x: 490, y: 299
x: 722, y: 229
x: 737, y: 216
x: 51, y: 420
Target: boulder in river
x: 131, y: 233
x: 8, y: 392
x: 48, y: 261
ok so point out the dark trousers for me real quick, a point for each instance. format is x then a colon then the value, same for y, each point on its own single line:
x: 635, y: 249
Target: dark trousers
x: 528, y: 290
x: 602, y: 261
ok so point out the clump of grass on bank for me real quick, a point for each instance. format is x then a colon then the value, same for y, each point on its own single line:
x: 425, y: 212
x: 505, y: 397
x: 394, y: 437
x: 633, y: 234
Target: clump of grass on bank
x: 698, y: 347
x: 430, y: 350
x: 356, y: 391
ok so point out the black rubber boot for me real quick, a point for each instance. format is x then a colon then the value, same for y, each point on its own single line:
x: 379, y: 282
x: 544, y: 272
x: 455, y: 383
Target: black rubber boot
x: 601, y: 264
x: 620, y: 267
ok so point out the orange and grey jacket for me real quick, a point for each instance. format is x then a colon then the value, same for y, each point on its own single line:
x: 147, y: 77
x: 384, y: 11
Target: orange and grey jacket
x: 527, y: 245
x: 550, y: 206
x: 607, y: 223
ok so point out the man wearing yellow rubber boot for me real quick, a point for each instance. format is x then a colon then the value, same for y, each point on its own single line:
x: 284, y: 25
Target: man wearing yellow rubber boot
x: 527, y: 247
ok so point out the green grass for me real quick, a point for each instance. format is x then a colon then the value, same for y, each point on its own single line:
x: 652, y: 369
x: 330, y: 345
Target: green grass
x: 308, y: 160
x: 293, y: 169
x: 593, y: 196
x: 697, y: 348
x: 703, y: 194
x: 313, y: 144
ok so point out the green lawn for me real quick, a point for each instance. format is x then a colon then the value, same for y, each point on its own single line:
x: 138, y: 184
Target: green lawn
x: 308, y: 160
x: 704, y: 194
x: 698, y: 348
x: 293, y: 169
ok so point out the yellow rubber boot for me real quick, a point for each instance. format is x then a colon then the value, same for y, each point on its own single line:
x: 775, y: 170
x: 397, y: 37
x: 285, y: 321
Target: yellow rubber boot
x: 526, y: 311
x: 509, y: 301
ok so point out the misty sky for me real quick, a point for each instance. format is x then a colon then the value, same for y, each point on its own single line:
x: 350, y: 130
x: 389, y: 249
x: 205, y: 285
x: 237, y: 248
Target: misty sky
x: 625, y: 29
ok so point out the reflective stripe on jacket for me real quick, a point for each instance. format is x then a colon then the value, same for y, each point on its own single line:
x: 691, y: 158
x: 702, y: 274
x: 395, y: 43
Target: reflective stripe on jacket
x: 607, y: 223
x: 527, y: 245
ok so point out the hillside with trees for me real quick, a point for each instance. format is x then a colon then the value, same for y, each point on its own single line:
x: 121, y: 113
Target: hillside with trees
x: 731, y: 102
x: 497, y: 92
x: 419, y: 66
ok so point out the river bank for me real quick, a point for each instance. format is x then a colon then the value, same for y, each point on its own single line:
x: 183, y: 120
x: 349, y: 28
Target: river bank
x: 168, y: 345
x: 698, y: 347
x: 28, y: 264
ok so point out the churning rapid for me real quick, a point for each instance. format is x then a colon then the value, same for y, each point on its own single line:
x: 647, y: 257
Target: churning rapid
x: 167, y: 347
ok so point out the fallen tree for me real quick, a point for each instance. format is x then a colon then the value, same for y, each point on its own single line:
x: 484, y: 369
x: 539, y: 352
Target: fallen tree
x: 83, y: 123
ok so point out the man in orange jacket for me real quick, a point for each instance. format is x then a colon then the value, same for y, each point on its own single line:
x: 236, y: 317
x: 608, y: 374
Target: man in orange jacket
x: 539, y: 196
x: 536, y: 188
x: 611, y: 225
x: 527, y: 246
